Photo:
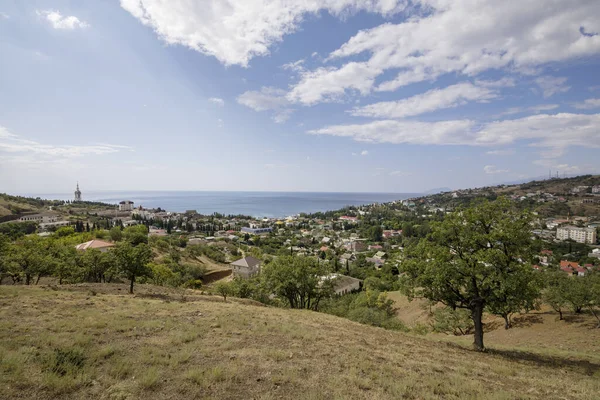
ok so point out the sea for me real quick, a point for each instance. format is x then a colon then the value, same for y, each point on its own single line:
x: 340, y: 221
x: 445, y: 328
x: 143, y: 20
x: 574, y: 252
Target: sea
x: 255, y: 204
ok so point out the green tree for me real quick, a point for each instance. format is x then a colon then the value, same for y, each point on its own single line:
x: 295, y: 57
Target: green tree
x: 376, y: 234
x: 519, y: 292
x: 594, y: 299
x: 4, y: 260
x: 467, y: 259
x: 116, y: 234
x: 67, y: 268
x: 555, y: 294
x: 30, y: 255
x: 224, y: 289
x: 298, y: 280
x: 577, y: 293
x: 133, y: 261
x: 96, y: 264
x: 135, y: 235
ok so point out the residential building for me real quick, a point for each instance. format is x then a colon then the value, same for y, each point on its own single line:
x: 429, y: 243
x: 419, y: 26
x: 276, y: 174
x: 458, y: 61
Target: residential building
x: 246, y: 267
x: 58, y: 224
x: 596, y: 189
x: 256, y: 231
x: 126, y: 205
x: 581, y: 235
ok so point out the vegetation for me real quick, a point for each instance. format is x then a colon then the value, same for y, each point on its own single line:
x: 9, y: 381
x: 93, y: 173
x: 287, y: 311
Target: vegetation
x: 474, y: 260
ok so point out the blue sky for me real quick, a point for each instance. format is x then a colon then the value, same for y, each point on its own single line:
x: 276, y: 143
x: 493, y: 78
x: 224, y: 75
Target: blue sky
x: 330, y: 95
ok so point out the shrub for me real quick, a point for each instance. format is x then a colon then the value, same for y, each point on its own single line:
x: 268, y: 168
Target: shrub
x: 457, y: 322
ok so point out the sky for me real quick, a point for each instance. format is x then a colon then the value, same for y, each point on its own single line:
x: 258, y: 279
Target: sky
x: 290, y: 95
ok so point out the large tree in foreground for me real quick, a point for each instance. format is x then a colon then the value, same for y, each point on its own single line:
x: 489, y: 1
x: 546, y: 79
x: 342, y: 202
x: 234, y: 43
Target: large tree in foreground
x: 476, y: 258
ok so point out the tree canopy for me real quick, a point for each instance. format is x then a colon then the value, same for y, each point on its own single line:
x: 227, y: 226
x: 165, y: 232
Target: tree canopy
x: 475, y: 258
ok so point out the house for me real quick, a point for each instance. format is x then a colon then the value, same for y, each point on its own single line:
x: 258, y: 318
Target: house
x: 375, y: 247
x: 95, y: 244
x: 126, y: 205
x: 156, y: 232
x: 377, y: 261
x: 571, y: 268
x: 345, y: 218
x: 380, y: 254
x: 246, y: 267
x: 343, y: 284
x: 356, y: 246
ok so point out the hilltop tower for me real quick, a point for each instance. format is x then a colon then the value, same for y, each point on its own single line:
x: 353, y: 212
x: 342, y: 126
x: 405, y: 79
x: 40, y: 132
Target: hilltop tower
x: 77, y: 193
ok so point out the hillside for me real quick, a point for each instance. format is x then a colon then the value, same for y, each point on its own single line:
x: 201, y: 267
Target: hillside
x: 81, y: 344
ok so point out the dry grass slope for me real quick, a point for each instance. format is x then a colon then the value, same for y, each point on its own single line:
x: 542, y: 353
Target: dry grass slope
x: 77, y: 345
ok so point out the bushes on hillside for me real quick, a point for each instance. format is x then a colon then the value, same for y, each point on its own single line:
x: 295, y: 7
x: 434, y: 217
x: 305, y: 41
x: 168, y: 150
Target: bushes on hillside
x: 370, y: 307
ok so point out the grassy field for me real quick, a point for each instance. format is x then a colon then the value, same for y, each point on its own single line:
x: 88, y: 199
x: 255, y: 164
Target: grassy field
x: 537, y: 330
x: 97, y: 342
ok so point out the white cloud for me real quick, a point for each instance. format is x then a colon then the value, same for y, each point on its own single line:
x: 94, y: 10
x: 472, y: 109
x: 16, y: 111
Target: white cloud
x: 400, y: 173
x: 4, y: 15
x: 552, y: 85
x: 218, y: 101
x: 588, y: 104
x: 220, y: 123
x: 504, y: 82
x: 435, y: 99
x: 268, y: 99
x: 504, y: 152
x: 330, y: 84
x: 561, y: 168
x: 364, y: 153
x: 235, y: 31
x: 296, y: 66
x: 414, y: 132
x: 491, y: 169
x: 543, y: 107
x: 463, y: 37
x: 58, y: 21
x: 15, y: 145
x: 283, y: 115
x: 543, y: 130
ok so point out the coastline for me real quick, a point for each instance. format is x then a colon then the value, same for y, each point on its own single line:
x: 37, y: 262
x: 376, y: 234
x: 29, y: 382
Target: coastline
x: 255, y: 204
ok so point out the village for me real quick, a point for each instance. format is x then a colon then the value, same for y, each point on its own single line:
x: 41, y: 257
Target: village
x: 356, y: 242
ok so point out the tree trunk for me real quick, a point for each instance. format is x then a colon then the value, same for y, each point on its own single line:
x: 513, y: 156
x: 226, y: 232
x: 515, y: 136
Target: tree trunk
x: 595, y: 314
x: 477, y: 315
x: 131, y: 284
x: 38, y: 279
x: 507, y: 324
x: 27, y: 279
x: 560, y: 316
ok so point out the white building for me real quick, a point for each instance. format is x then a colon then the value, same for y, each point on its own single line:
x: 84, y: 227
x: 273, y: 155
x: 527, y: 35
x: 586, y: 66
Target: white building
x: 126, y: 205
x: 44, y: 218
x: 581, y: 235
x: 596, y: 189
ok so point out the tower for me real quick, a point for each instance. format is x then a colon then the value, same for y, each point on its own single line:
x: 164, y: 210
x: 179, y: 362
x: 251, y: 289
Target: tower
x: 77, y: 193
